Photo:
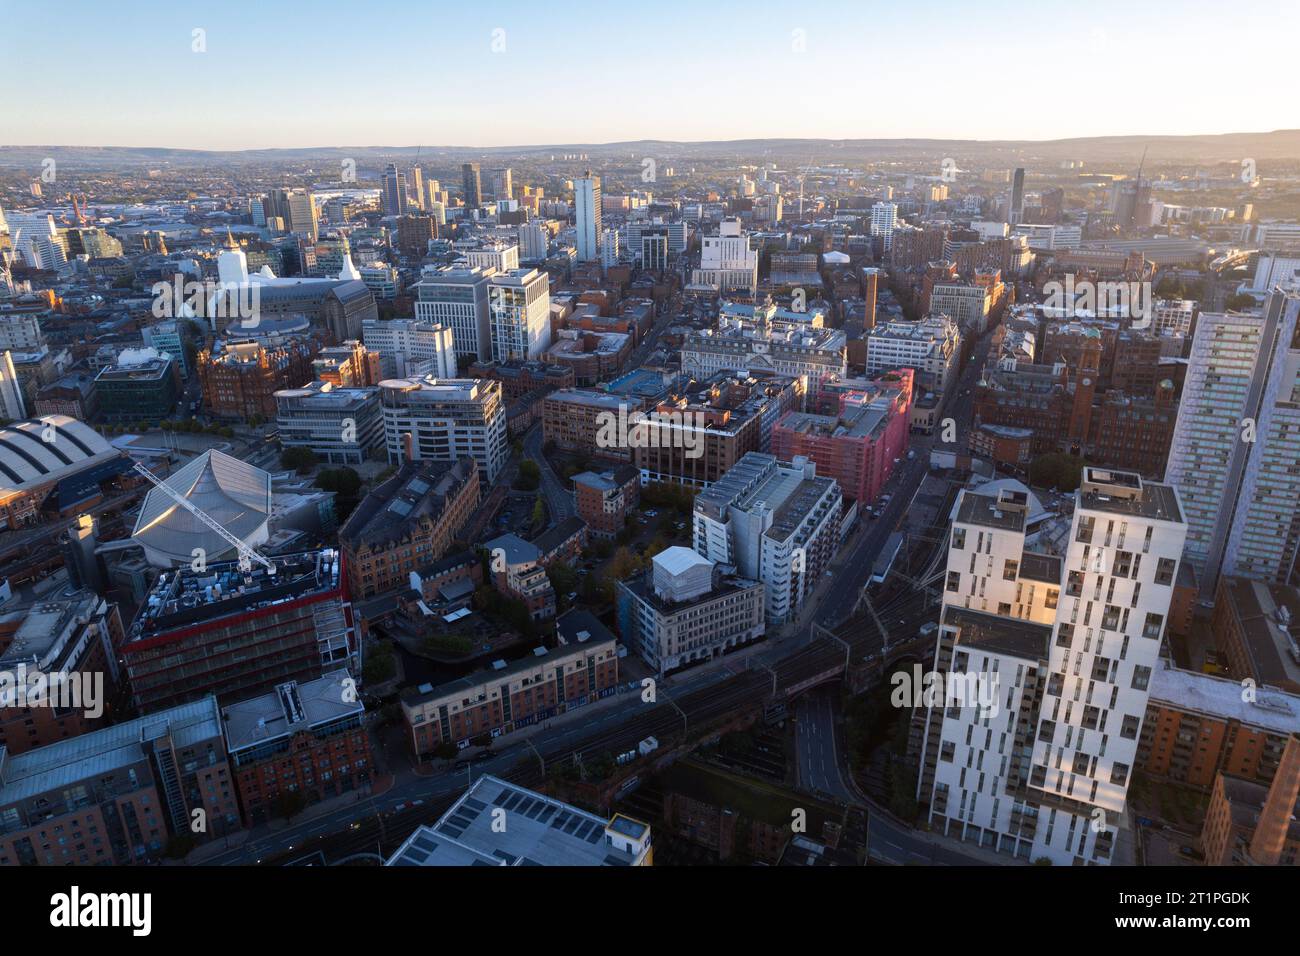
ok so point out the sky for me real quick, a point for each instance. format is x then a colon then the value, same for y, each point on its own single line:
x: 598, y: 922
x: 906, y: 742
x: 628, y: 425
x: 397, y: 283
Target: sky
x: 275, y: 73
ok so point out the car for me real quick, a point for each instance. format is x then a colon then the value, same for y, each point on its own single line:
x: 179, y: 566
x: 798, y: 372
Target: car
x: 460, y: 766
x: 355, y: 825
x: 482, y: 755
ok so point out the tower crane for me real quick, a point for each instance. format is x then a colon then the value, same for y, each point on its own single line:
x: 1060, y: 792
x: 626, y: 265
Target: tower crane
x: 246, y: 554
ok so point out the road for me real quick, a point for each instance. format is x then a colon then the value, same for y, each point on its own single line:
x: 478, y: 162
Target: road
x: 816, y: 752
x: 559, y: 503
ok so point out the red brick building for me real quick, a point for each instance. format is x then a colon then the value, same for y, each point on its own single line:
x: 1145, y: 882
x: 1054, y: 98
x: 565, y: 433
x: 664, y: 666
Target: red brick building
x: 534, y: 688
x: 298, y: 745
x: 604, y: 500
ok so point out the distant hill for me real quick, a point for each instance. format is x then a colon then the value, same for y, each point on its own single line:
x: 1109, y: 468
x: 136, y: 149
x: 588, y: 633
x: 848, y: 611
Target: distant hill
x: 1278, y: 144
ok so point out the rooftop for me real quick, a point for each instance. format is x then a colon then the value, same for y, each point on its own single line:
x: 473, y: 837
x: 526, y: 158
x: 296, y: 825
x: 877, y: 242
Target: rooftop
x: 999, y: 635
x: 541, y: 831
x: 184, y: 597
x: 289, y: 708
x: 1221, y: 697
x: 418, y: 490
x: 100, y: 752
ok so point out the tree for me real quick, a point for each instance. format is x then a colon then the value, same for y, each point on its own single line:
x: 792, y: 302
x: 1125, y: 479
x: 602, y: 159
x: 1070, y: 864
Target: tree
x: 1240, y: 302
x: 380, y: 665
x: 562, y: 577
x: 1056, y: 470
x: 529, y: 477
x: 301, y: 460
x: 289, y: 804
x: 342, y: 481
x: 539, y: 513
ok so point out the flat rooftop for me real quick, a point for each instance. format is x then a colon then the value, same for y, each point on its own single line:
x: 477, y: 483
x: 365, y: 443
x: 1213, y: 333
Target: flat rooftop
x: 1000, y: 635
x: 1261, y: 610
x: 988, y: 512
x: 183, y: 597
x: 540, y: 831
x: 1220, y: 697
x: 289, y: 708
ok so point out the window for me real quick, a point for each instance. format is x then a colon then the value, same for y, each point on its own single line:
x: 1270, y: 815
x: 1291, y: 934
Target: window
x: 1165, y: 569
x: 1119, y: 774
x: 1091, y: 717
x: 1123, y: 564
x: 1080, y: 763
x: 1085, y: 530
x: 1129, y: 728
x: 1154, y: 625
x: 959, y: 539
x: 1110, y: 618
x: 1010, y: 569
x: 1052, y: 595
x: 1141, y: 677
x: 946, y: 750
x: 1065, y: 635
x: 1074, y: 585
x: 1004, y: 609
x: 954, y: 580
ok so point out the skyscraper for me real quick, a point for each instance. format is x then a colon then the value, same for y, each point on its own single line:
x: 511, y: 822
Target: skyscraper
x: 415, y: 194
x: 302, y: 214
x: 1236, y: 445
x: 1017, y: 211
x: 586, y: 196
x: 472, y: 184
x: 519, y: 304
x: 395, y: 199
x: 1044, y: 663
x: 502, y: 186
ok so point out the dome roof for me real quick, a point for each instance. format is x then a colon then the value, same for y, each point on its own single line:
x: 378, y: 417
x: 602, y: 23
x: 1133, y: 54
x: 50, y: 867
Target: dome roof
x: 234, y: 493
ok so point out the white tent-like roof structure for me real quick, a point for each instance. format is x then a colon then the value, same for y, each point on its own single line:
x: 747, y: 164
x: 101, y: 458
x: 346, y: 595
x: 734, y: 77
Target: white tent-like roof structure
x: 234, y: 493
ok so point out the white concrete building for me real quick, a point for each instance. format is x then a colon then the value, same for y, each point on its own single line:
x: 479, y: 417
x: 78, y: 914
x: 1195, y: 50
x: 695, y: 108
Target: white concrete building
x: 884, y: 217
x: 931, y: 347
x: 1236, y: 444
x: 519, y: 310
x: 432, y: 419
x: 342, y: 426
x: 410, y: 347
x: 12, y: 406
x: 587, y: 200
x: 774, y: 522
x: 458, y: 299
x: 726, y: 260
x: 685, y: 611
x: 1173, y: 317
x: 21, y: 332
x: 498, y: 256
x: 1042, y: 668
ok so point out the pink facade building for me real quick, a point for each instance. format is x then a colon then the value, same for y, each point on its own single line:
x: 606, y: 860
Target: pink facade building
x: 857, y: 431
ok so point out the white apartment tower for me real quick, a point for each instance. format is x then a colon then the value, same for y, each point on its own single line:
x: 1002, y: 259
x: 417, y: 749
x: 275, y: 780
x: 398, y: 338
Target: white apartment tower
x: 1029, y: 746
x: 884, y: 217
x: 586, y: 196
x: 433, y: 419
x: 458, y: 299
x: 519, y: 308
x: 1236, y: 444
x: 773, y: 521
x: 726, y: 260
x: 409, y: 347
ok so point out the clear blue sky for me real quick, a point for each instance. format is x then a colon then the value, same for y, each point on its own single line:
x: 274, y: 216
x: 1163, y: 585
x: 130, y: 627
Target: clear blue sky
x: 392, y: 72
